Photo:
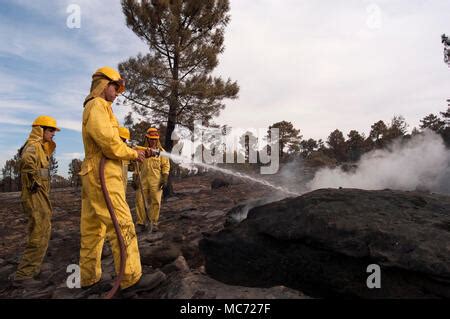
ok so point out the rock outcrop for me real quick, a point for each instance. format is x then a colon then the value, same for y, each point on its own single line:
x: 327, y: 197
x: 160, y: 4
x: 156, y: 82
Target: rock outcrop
x: 322, y: 243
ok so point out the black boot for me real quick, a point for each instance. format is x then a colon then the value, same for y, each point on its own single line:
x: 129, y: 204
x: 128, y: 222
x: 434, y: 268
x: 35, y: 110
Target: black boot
x: 146, y: 282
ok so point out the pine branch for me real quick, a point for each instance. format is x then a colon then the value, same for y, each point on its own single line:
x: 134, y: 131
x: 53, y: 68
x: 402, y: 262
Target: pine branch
x: 194, y: 39
x: 148, y: 106
x: 144, y: 34
x: 184, y: 106
x: 167, y: 49
x: 188, y: 24
x: 192, y: 69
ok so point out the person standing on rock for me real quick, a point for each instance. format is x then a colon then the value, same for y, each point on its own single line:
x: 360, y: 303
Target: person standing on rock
x: 35, y: 177
x: 154, y: 173
x: 100, y: 131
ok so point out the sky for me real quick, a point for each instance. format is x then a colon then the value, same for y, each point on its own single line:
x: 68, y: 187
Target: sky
x: 322, y: 64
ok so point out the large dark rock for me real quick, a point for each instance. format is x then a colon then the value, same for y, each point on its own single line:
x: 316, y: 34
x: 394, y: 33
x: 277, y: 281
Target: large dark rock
x: 219, y: 183
x: 321, y: 243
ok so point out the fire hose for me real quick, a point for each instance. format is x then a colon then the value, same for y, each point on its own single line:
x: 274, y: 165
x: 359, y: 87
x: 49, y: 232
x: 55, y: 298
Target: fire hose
x: 123, y: 252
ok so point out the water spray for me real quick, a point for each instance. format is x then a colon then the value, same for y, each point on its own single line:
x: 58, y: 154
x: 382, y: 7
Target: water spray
x: 229, y: 172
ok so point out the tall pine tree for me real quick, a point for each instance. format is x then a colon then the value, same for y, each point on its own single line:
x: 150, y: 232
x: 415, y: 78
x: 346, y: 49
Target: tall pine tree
x: 172, y: 84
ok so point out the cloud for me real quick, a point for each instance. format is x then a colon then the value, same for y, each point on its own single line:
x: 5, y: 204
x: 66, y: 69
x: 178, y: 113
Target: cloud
x: 11, y: 119
x: 70, y: 124
x: 70, y: 156
x: 46, y: 67
x: 318, y: 64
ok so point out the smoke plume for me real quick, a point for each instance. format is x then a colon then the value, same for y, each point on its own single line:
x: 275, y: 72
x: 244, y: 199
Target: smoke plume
x: 421, y: 163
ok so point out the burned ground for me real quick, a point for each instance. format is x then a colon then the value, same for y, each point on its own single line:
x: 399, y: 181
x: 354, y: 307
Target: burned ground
x: 195, y: 209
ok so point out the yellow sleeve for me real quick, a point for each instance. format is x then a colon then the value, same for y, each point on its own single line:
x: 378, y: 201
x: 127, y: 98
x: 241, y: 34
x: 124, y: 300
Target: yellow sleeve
x: 30, y: 164
x: 140, y: 148
x: 101, y: 130
x: 165, y: 165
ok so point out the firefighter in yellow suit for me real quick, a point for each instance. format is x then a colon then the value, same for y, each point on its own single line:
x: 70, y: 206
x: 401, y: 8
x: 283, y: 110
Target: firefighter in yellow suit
x: 125, y: 135
x: 100, y: 131
x: 35, y: 178
x: 154, y: 177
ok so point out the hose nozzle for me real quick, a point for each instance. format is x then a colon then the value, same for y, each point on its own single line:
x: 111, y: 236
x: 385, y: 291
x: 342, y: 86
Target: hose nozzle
x: 154, y: 152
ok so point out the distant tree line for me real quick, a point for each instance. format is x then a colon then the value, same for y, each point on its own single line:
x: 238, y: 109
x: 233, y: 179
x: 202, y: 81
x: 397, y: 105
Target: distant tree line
x: 339, y: 148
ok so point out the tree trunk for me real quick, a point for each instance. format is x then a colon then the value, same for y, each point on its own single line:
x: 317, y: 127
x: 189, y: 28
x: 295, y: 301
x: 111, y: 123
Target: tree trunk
x: 173, y: 108
x: 168, y: 191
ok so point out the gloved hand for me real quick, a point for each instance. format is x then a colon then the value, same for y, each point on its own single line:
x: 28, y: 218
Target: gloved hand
x: 151, y: 152
x: 164, y: 181
x: 141, y: 155
x: 34, y: 187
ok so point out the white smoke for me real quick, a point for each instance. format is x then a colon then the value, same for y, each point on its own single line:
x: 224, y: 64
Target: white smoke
x: 421, y: 163
x: 293, y: 176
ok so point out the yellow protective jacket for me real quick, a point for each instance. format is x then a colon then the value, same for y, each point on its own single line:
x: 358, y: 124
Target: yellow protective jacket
x: 151, y: 171
x: 34, y: 172
x: 35, y: 159
x: 101, y: 138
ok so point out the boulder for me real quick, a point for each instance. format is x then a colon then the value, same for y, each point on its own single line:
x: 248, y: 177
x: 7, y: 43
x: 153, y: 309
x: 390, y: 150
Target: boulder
x: 158, y: 256
x: 323, y: 243
x: 192, y: 285
x: 179, y: 264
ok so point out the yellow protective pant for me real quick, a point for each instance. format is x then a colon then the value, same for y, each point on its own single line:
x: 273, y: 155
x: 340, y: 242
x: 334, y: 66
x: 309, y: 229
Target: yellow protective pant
x: 153, y: 196
x: 38, y: 209
x: 96, y: 223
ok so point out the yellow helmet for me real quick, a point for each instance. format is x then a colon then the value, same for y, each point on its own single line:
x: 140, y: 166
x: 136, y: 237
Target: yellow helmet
x: 124, y: 133
x: 152, y: 133
x: 113, y: 75
x: 47, y: 121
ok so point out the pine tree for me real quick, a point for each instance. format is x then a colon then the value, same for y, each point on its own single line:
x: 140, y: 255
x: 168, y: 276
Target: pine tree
x: 8, y: 175
x: 446, y: 116
x: 289, y: 137
x: 397, y: 128
x: 433, y: 123
x: 446, y: 41
x: 308, y: 146
x: 355, y: 145
x: 446, y: 131
x: 337, y: 146
x: 53, y: 166
x: 172, y: 84
x: 11, y: 174
x: 74, y: 169
x: 377, y: 132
